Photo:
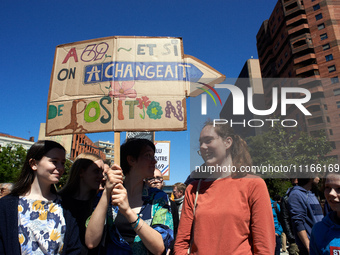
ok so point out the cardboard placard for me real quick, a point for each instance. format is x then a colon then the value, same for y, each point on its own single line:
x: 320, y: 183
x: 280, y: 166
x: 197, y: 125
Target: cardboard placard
x: 123, y: 84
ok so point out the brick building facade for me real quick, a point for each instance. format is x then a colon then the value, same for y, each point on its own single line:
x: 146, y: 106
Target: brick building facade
x: 301, y: 39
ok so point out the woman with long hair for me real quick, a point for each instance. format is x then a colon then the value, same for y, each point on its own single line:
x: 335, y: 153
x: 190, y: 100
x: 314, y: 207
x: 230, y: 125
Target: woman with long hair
x: 232, y: 213
x: 79, y: 193
x: 32, y: 218
x: 131, y: 218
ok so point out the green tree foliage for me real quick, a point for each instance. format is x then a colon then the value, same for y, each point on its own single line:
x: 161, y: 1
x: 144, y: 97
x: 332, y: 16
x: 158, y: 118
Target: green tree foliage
x: 12, y: 158
x: 282, y: 147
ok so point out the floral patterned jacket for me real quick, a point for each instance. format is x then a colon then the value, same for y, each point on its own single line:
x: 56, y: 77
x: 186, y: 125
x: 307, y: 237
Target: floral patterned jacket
x: 9, y: 229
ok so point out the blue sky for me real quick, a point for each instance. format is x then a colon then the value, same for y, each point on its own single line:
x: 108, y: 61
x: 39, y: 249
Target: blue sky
x: 220, y: 33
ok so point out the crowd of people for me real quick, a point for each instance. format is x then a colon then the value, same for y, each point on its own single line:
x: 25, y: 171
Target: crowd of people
x: 122, y: 209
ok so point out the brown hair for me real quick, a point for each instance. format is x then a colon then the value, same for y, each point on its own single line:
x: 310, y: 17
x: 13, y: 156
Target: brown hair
x: 239, y: 148
x: 82, y: 162
x: 27, y: 175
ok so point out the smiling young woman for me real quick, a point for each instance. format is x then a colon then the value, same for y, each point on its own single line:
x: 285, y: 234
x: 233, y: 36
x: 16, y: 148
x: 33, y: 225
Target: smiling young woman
x: 232, y: 213
x: 33, y: 220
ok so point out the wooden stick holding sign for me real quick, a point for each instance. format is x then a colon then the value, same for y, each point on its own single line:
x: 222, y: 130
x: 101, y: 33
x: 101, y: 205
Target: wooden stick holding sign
x: 117, y: 148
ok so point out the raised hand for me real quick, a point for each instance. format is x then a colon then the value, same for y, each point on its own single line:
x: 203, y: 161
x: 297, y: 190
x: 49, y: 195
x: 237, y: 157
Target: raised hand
x: 113, y: 176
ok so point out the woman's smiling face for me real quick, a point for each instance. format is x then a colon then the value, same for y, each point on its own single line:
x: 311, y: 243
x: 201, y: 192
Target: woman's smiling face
x: 212, y: 146
x: 50, y: 167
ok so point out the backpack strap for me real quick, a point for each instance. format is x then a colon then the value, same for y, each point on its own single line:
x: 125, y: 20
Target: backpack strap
x: 196, y: 197
x: 193, y: 216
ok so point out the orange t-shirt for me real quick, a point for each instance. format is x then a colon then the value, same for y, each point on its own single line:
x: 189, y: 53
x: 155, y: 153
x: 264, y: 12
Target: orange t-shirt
x: 233, y: 216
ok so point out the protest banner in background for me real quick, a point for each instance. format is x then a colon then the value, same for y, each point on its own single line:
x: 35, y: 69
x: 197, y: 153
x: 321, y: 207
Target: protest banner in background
x: 142, y: 135
x: 123, y: 84
x: 162, y: 156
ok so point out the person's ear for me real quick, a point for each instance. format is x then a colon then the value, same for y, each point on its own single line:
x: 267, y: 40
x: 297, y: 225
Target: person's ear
x: 33, y: 164
x: 228, y: 142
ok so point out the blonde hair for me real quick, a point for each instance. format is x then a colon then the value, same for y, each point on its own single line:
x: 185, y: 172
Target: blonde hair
x: 180, y: 186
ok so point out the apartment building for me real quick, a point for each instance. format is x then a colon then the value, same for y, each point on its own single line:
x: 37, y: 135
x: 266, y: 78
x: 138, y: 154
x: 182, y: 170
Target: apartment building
x: 107, y: 148
x: 301, y: 42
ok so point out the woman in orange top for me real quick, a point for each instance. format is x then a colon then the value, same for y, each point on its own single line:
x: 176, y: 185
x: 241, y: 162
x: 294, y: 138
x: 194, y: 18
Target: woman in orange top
x: 233, y: 213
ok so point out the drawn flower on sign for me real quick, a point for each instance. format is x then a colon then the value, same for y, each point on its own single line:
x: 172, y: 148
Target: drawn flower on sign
x: 123, y: 90
x: 154, y: 110
x: 143, y: 103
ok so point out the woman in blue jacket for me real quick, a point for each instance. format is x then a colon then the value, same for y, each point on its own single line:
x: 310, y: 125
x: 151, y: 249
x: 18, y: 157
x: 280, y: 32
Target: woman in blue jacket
x: 325, y: 237
x: 32, y: 219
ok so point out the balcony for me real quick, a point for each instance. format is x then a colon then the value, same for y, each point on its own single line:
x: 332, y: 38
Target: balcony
x: 299, y: 18
x: 291, y: 9
x: 297, y: 29
x: 315, y: 90
x: 306, y: 69
x: 301, y: 43
x: 304, y: 58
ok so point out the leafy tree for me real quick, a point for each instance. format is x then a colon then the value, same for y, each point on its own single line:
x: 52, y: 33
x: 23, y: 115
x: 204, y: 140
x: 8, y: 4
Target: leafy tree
x: 282, y: 147
x: 12, y: 158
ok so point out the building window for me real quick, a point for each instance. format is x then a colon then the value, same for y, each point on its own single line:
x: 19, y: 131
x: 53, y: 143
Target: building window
x: 328, y: 119
x: 325, y: 106
x: 333, y: 145
x: 338, y: 104
x: 329, y: 57
x: 318, y: 16
x: 336, y: 92
x: 331, y: 132
x: 315, y: 121
x: 326, y: 46
x: 331, y: 68
x: 323, y: 36
x: 321, y: 26
x: 335, y: 79
x: 316, y: 7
